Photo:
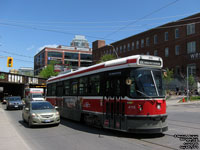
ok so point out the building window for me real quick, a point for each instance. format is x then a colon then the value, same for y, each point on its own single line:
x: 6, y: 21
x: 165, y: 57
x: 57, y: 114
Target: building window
x: 177, y: 70
x: 137, y: 44
x: 86, y: 57
x: 142, y: 43
x: 190, y: 28
x: 155, y: 52
x: 117, y: 49
x: 191, y: 47
x: 71, y: 55
x: 148, y: 53
x: 133, y: 45
x: 166, y: 52
x: 177, y: 33
x: 147, y: 41
x: 54, y: 54
x: 155, y: 39
x: 191, y: 69
x: 129, y: 48
x: 166, y: 36
x: 124, y: 48
x: 177, y: 50
x: 120, y: 49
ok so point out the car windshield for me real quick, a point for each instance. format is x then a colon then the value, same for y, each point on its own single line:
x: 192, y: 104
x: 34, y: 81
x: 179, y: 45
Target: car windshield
x: 41, y: 105
x: 146, y: 83
x: 37, y: 96
x: 14, y: 99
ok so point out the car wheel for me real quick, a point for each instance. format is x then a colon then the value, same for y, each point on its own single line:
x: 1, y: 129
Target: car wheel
x: 7, y: 108
x: 30, y: 123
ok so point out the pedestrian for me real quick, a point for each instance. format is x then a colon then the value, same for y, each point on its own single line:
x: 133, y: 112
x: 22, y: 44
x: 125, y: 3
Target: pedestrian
x: 177, y: 90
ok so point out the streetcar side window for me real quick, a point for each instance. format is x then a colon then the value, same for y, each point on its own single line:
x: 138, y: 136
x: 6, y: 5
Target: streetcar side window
x: 74, y: 88
x: 49, y: 90
x: 53, y: 92
x: 59, y: 89
x: 123, y: 109
x: 94, y: 85
x: 67, y: 88
x: 83, y: 86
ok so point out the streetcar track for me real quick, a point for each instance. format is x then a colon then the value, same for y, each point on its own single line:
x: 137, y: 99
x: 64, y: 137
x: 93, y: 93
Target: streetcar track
x: 184, y: 126
x: 158, y: 144
x: 184, y: 121
x: 139, y: 138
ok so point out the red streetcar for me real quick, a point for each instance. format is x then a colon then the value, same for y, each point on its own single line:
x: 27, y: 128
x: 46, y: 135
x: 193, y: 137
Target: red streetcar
x: 125, y: 94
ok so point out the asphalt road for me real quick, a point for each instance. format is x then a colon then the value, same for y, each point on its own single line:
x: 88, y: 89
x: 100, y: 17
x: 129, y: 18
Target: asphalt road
x: 182, y: 120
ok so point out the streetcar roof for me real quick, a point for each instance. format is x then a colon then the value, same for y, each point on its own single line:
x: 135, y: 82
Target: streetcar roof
x: 131, y: 61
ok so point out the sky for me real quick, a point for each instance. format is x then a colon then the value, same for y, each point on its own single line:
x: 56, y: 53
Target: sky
x: 26, y: 26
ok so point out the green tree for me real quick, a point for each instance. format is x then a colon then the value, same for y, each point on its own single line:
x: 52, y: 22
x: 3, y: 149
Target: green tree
x: 191, y: 81
x: 107, y: 57
x: 48, y: 71
x: 168, y: 76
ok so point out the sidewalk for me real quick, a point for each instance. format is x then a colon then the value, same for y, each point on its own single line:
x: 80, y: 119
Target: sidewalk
x: 174, y: 100
x: 9, y: 138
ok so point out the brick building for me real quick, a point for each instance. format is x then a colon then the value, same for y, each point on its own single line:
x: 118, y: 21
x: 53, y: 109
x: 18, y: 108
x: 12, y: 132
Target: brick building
x: 178, y: 43
x: 75, y: 56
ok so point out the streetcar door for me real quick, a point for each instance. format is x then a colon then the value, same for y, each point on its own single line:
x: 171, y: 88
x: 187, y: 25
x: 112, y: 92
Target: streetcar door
x: 113, y: 101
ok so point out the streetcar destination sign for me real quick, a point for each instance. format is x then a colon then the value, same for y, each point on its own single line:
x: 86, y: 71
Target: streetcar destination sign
x: 150, y: 62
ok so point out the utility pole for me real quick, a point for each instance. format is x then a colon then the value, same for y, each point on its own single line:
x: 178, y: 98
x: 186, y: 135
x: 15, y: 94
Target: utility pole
x: 187, y: 86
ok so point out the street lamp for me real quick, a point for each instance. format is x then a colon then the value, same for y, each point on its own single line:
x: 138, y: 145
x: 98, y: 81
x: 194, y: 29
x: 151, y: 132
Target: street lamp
x: 114, y: 50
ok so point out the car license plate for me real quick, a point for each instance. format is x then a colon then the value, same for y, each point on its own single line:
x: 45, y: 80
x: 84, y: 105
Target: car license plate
x: 16, y: 106
x: 47, y: 121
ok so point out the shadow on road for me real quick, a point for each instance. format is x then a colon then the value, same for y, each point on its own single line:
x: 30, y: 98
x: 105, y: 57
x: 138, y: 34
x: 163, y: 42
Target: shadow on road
x: 105, y: 132
x: 25, y: 124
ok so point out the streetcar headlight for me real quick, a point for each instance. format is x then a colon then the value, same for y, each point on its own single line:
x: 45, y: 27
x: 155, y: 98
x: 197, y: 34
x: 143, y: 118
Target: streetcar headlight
x: 158, y: 106
x: 140, y: 107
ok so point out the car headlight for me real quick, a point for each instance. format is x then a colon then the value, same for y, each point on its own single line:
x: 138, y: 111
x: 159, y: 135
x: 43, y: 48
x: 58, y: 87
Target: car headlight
x: 34, y: 115
x: 57, y: 113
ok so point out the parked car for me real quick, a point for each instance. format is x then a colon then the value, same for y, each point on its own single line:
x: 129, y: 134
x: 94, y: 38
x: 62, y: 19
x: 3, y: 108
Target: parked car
x: 4, y: 100
x: 14, y: 102
x: 40, y: 113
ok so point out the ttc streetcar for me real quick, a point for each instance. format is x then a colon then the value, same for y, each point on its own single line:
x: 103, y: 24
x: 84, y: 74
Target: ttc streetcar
x: 125, y: 94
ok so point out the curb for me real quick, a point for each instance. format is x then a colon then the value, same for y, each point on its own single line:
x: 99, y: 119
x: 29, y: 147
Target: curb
x: 10, y: 138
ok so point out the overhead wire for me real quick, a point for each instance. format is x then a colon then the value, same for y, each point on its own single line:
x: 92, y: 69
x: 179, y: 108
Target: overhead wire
x: 15, y: 54
x: 99, y: 22
x: 153, y: 12
x: 1, y: 56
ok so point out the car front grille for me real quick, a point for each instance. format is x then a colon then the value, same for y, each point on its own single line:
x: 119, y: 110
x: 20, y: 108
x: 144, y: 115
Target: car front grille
x: 46, y: 116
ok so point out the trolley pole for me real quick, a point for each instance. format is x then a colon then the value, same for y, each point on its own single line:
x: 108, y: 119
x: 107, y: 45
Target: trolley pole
x: 114, y: 50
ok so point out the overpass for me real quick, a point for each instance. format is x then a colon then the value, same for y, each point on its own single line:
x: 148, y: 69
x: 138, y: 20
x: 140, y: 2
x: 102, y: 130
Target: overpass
x: 14, y: 84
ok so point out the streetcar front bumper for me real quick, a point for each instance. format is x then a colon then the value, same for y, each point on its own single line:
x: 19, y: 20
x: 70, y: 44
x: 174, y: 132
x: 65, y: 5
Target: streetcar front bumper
x: 147, y: 124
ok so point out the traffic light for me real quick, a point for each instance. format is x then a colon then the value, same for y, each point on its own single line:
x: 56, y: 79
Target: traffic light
x: 9, y: 62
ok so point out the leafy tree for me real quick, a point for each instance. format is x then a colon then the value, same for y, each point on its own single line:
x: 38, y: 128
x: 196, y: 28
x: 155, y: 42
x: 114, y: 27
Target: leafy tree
x: 168, y: 76
x: 191, y: 81
x: 107, y: 57
x: 48, y: 71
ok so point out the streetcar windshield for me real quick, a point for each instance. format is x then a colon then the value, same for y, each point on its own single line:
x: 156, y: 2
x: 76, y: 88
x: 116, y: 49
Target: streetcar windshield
x: 146, y: 83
